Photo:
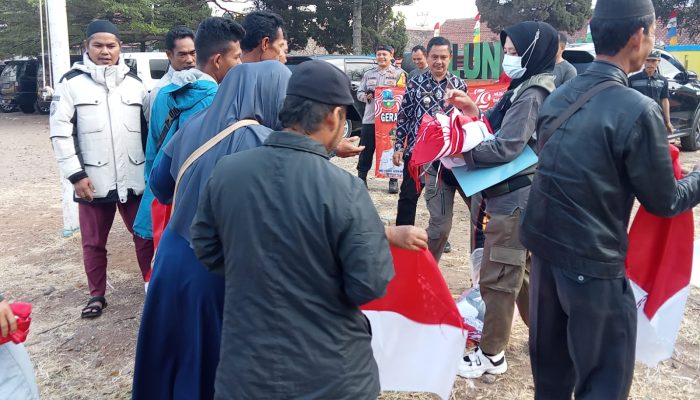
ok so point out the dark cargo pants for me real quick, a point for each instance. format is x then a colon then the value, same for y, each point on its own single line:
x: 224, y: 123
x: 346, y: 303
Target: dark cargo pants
x: 504, y: 280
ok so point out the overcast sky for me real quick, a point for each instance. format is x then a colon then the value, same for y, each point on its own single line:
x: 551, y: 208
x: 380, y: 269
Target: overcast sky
x: 427, y: 12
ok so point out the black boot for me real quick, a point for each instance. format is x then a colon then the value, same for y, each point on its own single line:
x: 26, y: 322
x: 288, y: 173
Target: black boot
x: 393, y: 186
x: 363, y: 176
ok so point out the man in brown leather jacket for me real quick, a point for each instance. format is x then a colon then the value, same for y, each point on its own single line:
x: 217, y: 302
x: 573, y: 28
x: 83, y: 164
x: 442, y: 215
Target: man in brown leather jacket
x: 583, y: 316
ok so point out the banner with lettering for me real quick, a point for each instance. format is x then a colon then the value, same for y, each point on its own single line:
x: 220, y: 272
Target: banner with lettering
x: 486, y: 95
x: 387, y: 101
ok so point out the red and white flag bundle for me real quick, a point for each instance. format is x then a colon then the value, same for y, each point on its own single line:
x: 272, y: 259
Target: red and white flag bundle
x: 659, y: 265
x: 443, y: 136
x: 417, y: 334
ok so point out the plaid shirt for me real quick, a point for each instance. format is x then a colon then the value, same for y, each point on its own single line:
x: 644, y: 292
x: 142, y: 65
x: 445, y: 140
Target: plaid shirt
x: 423, y: 95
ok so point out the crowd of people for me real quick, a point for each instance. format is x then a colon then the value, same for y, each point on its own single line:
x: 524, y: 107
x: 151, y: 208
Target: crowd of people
x: 259, y: 251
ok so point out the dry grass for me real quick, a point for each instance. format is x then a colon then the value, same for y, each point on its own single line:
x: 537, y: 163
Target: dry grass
x: 76, y: 359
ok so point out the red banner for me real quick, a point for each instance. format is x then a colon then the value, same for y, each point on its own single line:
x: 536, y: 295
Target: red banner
x: 486, y: 95
x: 387, y: 101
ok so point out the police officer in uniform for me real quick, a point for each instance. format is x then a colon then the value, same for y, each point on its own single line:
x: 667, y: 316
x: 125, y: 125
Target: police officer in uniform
x: 650, y: 83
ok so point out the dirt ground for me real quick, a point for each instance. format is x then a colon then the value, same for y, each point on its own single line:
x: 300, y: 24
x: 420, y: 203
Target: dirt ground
x: 78, y: 359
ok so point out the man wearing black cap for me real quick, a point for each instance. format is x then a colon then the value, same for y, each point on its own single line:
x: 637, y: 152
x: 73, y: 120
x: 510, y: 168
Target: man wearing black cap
x: 98, y: 131
x: 384, y: 74
x: 301, y: 248
x: 601, y: 144
x: 651, y: 84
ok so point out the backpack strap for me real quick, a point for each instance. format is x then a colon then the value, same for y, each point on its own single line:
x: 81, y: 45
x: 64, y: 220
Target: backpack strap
x: 563, y: 117
x: 173, y: 115
x: 206, y: 147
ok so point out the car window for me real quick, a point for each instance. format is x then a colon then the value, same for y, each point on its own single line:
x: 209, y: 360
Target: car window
x: 131, y: 63
x: 158, y: 68
x: 338, y: 62
x: 30, y: 70
x: 10, y: 72
x: 355, y: 70
x: 580, y: 59
x: 667, y: 69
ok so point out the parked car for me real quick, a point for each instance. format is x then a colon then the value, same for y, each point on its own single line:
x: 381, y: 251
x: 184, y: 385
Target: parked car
x: 44, y: 91
x: 354, y: 67
x: 148, y: 66
x: 18, y: 85
x: 683, y: 85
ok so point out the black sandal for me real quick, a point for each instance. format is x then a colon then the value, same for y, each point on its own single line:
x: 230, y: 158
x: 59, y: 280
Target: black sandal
x: 93, y: 309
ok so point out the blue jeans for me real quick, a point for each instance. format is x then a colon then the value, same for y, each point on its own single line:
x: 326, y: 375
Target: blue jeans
x: 16, y: 373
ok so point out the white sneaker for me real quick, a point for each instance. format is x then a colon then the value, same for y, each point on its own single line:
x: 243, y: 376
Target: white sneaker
x: 476, y: 363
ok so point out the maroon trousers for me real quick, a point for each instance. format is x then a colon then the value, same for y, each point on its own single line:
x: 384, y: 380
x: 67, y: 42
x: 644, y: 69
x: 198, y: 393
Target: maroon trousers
x: 95, y: 223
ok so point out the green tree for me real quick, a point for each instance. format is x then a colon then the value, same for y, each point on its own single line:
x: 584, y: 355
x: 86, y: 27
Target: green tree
x: 19, y: 28
x: 563, y: 15
x: 330, y: 23
x: 297, y: 15
x: 139, y: 21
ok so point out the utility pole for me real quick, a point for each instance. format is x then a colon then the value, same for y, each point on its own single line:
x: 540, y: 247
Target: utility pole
x: 58, y: 34
x: 60, y: 64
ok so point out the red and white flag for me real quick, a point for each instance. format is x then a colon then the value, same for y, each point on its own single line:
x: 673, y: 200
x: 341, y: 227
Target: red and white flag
x: 436, y: 29
x: 659, y: 265
x: 417, y: 334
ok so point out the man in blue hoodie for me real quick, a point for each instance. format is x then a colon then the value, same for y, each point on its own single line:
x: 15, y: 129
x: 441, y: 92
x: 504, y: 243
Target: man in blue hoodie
x: 217, y: 43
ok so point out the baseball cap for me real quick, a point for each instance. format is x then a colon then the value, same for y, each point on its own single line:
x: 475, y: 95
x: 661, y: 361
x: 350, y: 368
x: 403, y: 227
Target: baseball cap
x: 654, y: 55
x: 324, y: 83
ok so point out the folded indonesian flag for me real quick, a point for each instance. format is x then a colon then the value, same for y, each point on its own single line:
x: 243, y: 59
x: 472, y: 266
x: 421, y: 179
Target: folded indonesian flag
x: 22, y: 312
x: 444, y: 136
x: 417, y: 334
x: 659, y: 264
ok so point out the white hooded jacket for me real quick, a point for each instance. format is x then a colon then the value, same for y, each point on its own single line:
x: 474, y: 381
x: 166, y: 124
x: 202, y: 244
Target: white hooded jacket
x: 96, y: 128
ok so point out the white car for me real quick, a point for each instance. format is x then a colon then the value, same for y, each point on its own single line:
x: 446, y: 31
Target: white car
x: 148, y: 66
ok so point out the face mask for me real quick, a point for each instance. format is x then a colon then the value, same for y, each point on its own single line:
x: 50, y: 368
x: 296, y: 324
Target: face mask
x: 512, y: 65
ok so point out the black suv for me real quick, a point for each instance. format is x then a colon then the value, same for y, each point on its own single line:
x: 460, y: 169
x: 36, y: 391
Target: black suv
x: 354, y: 67
x: 18, y: 85
x: 683, y: 85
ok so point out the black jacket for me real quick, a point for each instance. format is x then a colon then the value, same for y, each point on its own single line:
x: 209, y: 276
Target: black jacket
x: 301, y: 246
x: 590, y: 170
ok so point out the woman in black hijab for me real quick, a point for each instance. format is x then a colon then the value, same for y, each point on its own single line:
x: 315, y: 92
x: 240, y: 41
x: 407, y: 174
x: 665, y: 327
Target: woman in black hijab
x: 530, y: 49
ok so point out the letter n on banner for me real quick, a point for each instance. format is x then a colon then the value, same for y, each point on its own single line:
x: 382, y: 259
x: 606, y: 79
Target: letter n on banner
x: 387, y: 100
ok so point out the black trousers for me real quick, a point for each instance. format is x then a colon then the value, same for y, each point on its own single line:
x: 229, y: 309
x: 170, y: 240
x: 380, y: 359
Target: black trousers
x: 583, y: 333
x: 408, y: 199
x: 364, y: 164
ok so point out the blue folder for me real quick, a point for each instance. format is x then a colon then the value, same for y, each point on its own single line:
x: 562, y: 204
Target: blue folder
x: 474, y: 181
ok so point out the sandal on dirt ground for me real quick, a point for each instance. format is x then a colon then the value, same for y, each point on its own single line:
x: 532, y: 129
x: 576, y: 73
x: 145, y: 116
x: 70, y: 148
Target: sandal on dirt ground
x: 94, y: 307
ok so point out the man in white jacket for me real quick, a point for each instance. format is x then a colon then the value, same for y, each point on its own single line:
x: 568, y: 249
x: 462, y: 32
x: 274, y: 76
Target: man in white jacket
x: 98, y: 128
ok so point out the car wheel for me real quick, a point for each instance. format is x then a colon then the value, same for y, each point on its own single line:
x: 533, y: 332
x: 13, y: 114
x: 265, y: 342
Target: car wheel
x: 347, y: 131
x: 45, y: 109
x: 27, y: 108
x: 692, y: 141
x: 7, y: 108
